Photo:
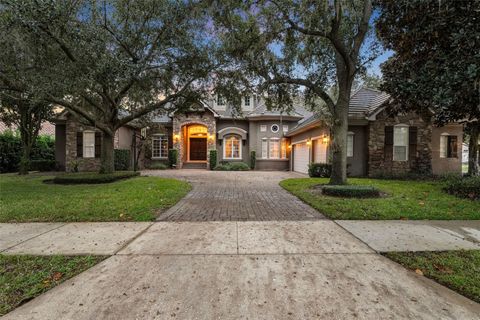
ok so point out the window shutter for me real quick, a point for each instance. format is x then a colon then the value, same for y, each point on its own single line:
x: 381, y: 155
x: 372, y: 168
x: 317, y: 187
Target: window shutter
x: 412, y: 143
x: 79, y: 144
x: 98, y: 144
x: 388, y: 150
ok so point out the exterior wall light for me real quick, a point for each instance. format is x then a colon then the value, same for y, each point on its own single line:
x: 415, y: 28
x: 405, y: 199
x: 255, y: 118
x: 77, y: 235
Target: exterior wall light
x: 309, y: 142
x: 176, y: 137
x: 325, y: 139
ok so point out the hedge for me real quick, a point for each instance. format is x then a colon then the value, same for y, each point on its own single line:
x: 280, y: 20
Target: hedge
x: 43, y: 165
x: 213, y: 159
x: 233, y: 166
x: 319, y: 170
x: 93, y: 177
x: 11, y: 151
x: 467, y: 187
x: 253, y: 159
x: 122, y: 159
x: 172, y: 157
x: 350, y: 191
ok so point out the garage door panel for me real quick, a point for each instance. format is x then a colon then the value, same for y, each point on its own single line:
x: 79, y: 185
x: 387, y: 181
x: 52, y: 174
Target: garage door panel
x: 301, y: 158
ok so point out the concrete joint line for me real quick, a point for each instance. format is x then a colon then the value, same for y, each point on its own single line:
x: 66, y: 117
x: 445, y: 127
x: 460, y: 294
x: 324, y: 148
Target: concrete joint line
x: 353, y: 235
x: 454, y: 234
x: 133, y: 239
x: 38, y: 235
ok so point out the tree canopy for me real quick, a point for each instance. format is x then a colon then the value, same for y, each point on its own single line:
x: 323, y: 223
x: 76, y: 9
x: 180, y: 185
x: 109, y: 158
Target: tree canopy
x: 435, y: 66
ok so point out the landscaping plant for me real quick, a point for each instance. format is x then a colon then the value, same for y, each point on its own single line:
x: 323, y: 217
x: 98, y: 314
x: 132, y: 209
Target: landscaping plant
x: 213, y: 159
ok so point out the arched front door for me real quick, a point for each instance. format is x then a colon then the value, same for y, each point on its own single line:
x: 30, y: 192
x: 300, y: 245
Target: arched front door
x: 197, y: 142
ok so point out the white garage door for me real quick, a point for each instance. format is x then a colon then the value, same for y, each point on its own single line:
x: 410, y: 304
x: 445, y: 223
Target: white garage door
x: 300, y: 158
x: 319, y: 151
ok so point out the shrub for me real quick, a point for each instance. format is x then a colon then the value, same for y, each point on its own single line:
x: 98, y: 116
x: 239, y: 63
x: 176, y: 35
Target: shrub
x: 350, y: 191
x: 43, y: 165
x: 319, y: 170
x: 233, y: 166
x: 121, y: 159
x: 253, y: 159
x: 93, y: 177
x: 213, y: 159
x: 157, y: 166
x: 11, y: 150
x: 172, y: 158
x: 467, y: 187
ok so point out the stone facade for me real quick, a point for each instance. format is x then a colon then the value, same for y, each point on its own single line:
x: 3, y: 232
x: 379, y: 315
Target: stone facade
x: 71, y: 159
x: 180, y: 121
x: 380, y: 162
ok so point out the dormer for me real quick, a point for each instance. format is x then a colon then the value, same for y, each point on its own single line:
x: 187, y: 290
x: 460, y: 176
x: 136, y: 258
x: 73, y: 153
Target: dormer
x: 220, y: 102
x: 247, y: 103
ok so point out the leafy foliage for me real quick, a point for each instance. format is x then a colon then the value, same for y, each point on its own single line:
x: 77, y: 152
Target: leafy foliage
x: 11, y: 151
x: 284, y: 46
x: 464, y: 187
x: 232, y: 166
x: 157, y: 166
x: 122, y: 159
x: 213, y: 159
x: 93, y: 177
x: 319, y: 170
x: 253, y: 159
x: 172, y: 157
x: 351, y: 191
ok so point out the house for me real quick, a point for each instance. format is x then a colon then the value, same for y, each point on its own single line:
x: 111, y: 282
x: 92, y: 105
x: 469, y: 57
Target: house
x: 378, y: 142
x: 47, y: 128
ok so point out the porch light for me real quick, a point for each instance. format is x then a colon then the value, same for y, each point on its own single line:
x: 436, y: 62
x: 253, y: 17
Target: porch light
x: 325, y: 139
x: 309, y: 142
x: 211, y: 137
x: 176, y: 137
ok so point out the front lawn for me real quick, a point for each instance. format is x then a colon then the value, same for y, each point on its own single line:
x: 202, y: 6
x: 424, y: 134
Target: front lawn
x: 22, y: 278
x: 404, y: 200
x: 28, y: 199
x: 458, y: 270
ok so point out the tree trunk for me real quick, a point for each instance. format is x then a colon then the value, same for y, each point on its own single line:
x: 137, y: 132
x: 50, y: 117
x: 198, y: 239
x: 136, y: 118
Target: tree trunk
x: 24, y: 160
x: 473, y: 156
x: 339, y: 140
x: 106, y: 156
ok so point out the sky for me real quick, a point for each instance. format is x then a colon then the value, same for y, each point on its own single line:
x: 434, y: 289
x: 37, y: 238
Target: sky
x: 374, y: 68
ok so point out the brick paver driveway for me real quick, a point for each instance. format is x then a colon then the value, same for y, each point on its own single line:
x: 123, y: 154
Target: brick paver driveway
x: 236, y: 196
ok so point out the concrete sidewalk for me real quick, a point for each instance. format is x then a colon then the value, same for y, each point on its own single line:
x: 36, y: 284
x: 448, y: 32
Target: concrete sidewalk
x: 416, y: 235
x: 230, y: 270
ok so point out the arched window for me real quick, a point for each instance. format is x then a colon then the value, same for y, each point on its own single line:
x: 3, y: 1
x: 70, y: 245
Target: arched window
x: 232, y: 147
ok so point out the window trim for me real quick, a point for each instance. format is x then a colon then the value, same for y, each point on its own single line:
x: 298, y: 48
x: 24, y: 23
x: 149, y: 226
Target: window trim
x: 407, y: 143
x: 277, y: 140
x: 278, y: 128
x: 444, y: 138
x: 85, y: 145
x: 265, y: 143
x: 351, y: 134
x: 160, y: 136
x: 239, y: 146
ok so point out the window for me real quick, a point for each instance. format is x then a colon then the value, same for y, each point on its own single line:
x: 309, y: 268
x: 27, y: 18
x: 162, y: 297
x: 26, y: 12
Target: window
x: 159, y: 146
x: 220, y: 100
x: 400, y: 143
x: 448, y: 146
x: 274, y: 149
x: 275, y: 128
x: 264, y: 148
x: 88, y: 144
x: 143, y: 133
x: 350, y: 137
x: 247, y: 101
x: 263, y: 128
x: 232, y: 148
x: 285, y: 128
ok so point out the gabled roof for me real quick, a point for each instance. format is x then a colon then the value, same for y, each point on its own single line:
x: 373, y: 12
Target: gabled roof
x: 365, y: 103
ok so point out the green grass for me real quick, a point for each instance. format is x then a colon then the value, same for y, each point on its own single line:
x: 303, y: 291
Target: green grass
x: 458, y: 270
x: 404, y: 200
x: 464, y: 168
x: 22, y: 278
x: 27, y: 199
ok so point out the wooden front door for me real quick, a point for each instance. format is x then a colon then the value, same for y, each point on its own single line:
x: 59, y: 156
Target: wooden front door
x: 198, y: 149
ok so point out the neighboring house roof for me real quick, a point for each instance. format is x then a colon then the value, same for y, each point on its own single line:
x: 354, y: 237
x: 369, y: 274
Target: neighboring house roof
x: 365, y: 103
x: 47, y: 129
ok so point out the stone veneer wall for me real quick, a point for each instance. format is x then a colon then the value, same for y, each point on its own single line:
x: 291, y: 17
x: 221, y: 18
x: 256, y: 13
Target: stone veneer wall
x: 84, y: 164
x: 379, y: 163
x: 204, y: 118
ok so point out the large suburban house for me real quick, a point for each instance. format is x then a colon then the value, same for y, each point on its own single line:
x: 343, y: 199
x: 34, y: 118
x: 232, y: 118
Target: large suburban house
x: 379, y: 143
